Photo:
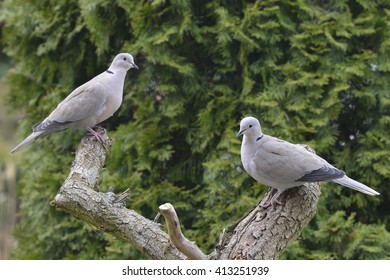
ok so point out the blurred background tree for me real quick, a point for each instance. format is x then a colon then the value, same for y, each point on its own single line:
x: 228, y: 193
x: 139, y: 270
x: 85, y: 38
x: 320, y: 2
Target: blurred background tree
x: 8, y: 202
x: 313, y: 72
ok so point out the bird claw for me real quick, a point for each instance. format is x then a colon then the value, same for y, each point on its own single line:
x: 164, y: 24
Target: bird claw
x: 100, y: 131
x: 273, y: 201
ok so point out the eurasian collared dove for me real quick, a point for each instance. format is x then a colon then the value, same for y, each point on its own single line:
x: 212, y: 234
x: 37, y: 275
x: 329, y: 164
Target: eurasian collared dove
x: 283, y: 165
x: 89, y: 104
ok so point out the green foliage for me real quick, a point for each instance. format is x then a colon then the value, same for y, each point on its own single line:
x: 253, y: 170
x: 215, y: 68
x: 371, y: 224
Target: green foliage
x: 313, y: 72
x: 339, y: 237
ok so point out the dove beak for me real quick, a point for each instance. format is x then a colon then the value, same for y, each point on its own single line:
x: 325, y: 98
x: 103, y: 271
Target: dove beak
x: 134, y: 66
x: 240, y: 133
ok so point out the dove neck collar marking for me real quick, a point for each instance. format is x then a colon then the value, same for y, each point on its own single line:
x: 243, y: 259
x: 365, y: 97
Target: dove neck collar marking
x: 109, y: 71
x: 258, y: 138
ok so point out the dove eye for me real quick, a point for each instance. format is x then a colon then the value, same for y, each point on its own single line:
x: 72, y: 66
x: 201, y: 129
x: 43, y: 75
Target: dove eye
x: 250, y: 126
x: 124, y: 58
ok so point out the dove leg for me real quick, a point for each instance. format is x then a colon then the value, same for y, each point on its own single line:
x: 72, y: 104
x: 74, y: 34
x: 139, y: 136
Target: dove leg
x: 273, y: 201
x: 100, y: 130
x: 98, y: 134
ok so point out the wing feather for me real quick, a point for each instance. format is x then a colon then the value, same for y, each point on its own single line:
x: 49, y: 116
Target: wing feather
x: 325, y: 173
x: 82, y: 103
x: 280, y: 161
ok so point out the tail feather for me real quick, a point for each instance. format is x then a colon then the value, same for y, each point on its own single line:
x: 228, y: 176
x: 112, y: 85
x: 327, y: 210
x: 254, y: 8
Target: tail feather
x: 355, y: 185
x: 29, y: 139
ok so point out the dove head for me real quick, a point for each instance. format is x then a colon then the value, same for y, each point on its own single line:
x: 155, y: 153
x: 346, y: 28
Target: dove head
x: 250, y: 127
x: 123, y: 61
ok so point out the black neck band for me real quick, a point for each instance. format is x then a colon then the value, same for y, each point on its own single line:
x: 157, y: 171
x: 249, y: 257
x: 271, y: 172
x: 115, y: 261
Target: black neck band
x: 110, y: 72
x: 259, y: 137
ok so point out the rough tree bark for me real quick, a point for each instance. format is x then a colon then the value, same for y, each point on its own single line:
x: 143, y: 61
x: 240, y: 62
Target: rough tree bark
x: 260, y: 234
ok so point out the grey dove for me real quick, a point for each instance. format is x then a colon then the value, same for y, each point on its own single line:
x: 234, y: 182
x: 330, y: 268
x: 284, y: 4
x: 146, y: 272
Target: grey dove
x: 89, y: 104
x: 283, y: 165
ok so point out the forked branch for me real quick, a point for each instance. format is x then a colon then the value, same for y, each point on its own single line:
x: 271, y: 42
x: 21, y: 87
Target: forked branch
x: 260, y: 234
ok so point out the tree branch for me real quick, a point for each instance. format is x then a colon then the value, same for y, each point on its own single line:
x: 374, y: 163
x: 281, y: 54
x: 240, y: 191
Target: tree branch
x: 77, y: 197
x: 185, y: 246
x: 260, y: 234
x: 263, y: 234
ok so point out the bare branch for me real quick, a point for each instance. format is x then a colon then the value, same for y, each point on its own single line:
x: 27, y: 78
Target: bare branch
x: 77, y: 197
x: 260, y: 234
x: 264, y: 233
x: 177, y: 238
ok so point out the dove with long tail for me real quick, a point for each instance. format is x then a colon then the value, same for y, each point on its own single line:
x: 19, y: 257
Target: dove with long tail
x: 283, y: 165
x: 88, y: 105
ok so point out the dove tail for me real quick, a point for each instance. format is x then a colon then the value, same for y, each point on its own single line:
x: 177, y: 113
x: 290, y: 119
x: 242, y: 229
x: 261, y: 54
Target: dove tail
x: 29, y: 139
x: 350, y: 183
